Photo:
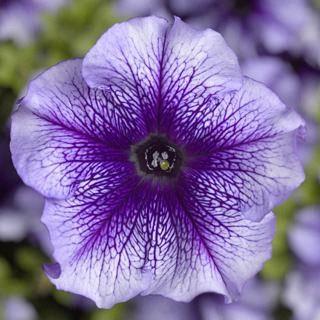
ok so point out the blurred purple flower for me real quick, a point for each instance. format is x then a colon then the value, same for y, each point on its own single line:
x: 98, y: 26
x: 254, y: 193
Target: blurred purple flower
x: 304, y: 236
x: 295, y: 81
x: 257, y: 302
x: 277, y: 75
x: 159, y: 308
x: 160, y: 164
x: 20, y: 207
x: 302, y: 293
x: 21, y: 19
x: 310, y: 90
x: 141, y: 8
x: 292, y: 87
x: 20, y: 218
x: 17, y: 308
x: 276, y: 25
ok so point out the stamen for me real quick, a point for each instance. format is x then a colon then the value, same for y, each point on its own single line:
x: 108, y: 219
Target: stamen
x: 157, y: 156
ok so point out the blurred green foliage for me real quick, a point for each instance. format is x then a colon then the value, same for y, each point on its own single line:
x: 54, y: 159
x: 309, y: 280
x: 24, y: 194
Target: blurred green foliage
x: 68, y: 34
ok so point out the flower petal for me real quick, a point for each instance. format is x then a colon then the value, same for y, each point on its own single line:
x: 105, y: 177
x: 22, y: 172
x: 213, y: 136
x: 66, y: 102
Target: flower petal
x: 236, y: 247
x: 158, y: 66
x: 242, y: 150
x: 68, y: 133
x: 114, y: 243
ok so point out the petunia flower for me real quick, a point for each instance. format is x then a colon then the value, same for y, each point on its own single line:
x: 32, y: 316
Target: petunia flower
x: 160, y: 164
x: 21, y: 19
x: 302, y: 290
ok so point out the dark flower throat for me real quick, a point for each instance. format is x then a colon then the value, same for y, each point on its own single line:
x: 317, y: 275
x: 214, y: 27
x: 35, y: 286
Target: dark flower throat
x: 157, y: 156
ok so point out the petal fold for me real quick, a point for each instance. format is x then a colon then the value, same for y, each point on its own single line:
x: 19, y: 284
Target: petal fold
x: 113, y: 244
x: 242, y: 150
x: 161, y: 66
x: 67, y: 133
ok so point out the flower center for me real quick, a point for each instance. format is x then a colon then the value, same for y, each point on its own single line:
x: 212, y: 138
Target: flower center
x: 157, y: 156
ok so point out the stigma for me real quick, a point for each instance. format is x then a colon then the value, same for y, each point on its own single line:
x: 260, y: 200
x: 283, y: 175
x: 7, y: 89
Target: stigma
x: 157, y: 156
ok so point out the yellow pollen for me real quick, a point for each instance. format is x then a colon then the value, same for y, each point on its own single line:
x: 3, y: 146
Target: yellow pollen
x: 164, y: 165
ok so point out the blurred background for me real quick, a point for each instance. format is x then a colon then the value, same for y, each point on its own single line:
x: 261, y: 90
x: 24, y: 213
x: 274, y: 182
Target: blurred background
x: 277, y: 42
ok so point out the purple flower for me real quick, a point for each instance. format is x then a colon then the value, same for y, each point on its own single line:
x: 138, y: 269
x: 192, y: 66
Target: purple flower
x: 277, y: 75
x: 302, y: 292
x: 256, y: 303
x: 20, y: 19
x: 304, y: 236
x: 292, y: 88
x: 17, y: 308
x: 162, y: 308
x: 246, y: 24
x: 160, y: 164
x: 141, y: 8
x: 20, y: 218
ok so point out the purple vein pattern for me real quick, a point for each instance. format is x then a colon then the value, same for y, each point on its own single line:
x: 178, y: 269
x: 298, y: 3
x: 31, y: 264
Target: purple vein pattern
x: 159, y: 162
